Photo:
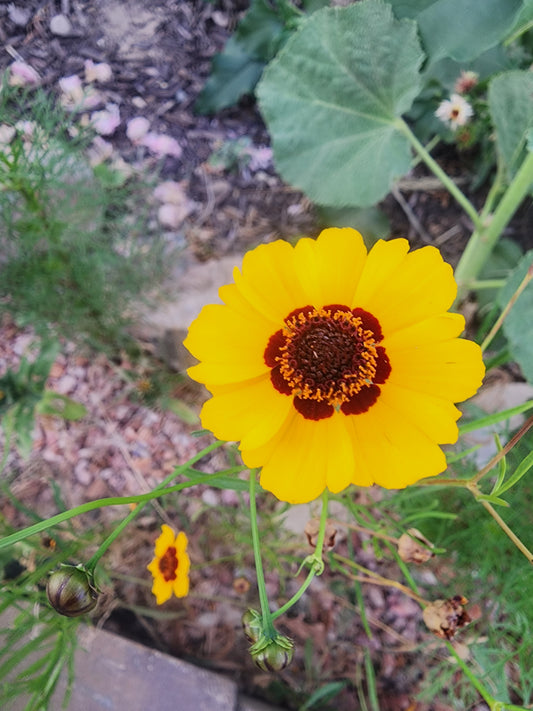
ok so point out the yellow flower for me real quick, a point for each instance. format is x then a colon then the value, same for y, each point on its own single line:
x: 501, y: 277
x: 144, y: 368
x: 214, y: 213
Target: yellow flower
x: 170, y: 567
x: 332, y: 366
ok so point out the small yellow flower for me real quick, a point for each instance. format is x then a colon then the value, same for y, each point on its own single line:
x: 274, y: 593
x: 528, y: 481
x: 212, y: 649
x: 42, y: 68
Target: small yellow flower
x: 332, y: 366
x: 170, y: 567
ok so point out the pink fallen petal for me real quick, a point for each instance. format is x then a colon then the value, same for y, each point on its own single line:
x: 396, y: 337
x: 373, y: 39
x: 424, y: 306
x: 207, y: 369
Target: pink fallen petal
x: 106, y: 122
x: 172, y: 216
x: 21, y: 74
x: 137, y: 128
x: 97, y: 72
x: 162, y: 145
x: 170, y: 191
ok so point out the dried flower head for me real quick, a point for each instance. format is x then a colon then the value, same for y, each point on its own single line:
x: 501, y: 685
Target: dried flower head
x: 445, y: 617
x: 312, y: 528
x: 466, y: 82
x: 414, y: 547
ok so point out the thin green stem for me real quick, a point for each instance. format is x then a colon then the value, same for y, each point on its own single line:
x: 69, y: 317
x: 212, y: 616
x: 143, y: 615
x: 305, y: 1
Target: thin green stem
x: 117, y: 500
x: 315, y: 560
x: 487, y: 233
x: 297, y: 595
x: 512, y: 301
x: 505, y: 528
x: 471, y: 677
x: 268, y: 626
x: 478, y: 285
x: 435, y: 168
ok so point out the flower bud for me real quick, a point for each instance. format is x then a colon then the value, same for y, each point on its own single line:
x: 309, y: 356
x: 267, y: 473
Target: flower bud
x: 252, y: 625
x: 71, y: 591
x: 272, y: 654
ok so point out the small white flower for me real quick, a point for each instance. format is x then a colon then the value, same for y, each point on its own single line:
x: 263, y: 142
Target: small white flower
x: 97, y: 72
x: 137, y: 129
x: 21, y: 74
x: 106, y: 122
x: 455, y: 111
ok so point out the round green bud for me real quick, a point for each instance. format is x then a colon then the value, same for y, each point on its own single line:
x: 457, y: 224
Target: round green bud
x: 273, y: 655
x: 71, y: 591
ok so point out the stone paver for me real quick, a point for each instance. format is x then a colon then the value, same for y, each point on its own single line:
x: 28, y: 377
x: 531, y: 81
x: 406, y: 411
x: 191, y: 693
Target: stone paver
x: 114, y: 674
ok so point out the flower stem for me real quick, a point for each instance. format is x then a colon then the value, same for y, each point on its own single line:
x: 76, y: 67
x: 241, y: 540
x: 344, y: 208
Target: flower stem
x: 505, y: 528
x: 512, y: 301
x: 268, y: 626
x: 315, y: 560
x: 486, y: 234
x: 118, y: 500
x: 435, y: 168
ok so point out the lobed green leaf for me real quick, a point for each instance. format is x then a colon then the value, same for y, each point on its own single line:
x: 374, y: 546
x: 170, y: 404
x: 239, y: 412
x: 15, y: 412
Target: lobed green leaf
x: 333, y: 98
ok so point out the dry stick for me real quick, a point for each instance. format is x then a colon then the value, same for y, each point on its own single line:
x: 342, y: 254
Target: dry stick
x: 376, y: 579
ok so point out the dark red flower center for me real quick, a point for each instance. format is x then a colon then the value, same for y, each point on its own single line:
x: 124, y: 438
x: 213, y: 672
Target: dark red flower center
x: 328, y: 359
x: 168, y: 564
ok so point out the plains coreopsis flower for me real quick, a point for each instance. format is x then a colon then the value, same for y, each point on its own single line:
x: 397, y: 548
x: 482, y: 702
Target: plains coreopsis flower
x: 455, y: 111
x: 332, y: 366
x: 170, y: 566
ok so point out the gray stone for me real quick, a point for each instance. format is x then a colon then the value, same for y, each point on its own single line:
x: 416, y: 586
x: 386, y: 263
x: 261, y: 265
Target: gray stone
x: 113, y: 674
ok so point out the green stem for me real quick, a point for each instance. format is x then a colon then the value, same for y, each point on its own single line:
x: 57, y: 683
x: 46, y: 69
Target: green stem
x: 487, y: 697
x: 512, y: 301
x: 268, y: 626
x: 485, y: 236
x: 471, y: 677
x: 478, y: 285
x: 315, y: 560
x: 117, y: 500
x: 435, y: 168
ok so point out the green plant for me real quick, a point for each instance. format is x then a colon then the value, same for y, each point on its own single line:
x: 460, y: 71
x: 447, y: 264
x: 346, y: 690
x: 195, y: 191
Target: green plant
x: 23, y: 395
x: 72, y: 256
x: 258, y: 37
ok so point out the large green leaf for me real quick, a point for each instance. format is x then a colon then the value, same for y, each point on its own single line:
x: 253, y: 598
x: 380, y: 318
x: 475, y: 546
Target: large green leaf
x: 511, y: 106
x: 517, y: 325
x: 332, y: 99
x: 460, y: 29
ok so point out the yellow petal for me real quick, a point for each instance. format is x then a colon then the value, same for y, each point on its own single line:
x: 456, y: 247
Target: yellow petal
x: 162, y: 590
x: 252, y: 411
x: 181, y: 543
x: 452, y: 370
x: 340, y: 460
x: 396, y: 451
x: 420, y: 287
x: 329, y: 267
x: 443, y: 327
x: 296, y: 470
x: 383, y: 261
x: 230, y: 345
x: 180, y: 586
x: 268, y: 281
x: 165, y: 540
x: 434, y: 416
